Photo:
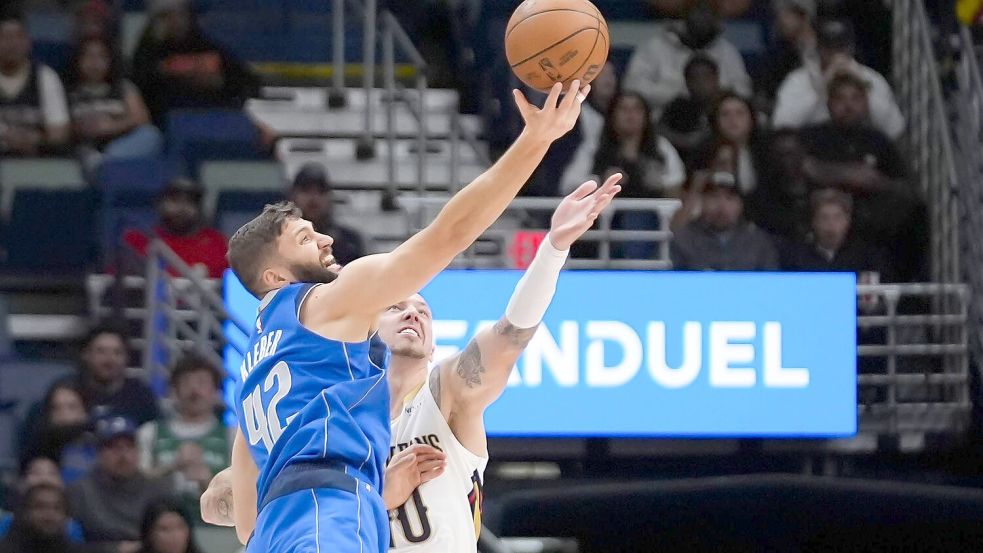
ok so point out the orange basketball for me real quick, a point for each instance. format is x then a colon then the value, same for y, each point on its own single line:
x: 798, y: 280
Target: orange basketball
x: 551, y: 41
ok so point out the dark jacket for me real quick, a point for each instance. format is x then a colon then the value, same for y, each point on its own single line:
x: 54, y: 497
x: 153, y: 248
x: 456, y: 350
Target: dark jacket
x: 696, y: 247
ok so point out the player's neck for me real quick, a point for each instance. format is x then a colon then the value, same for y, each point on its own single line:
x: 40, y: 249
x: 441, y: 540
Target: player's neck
x: 405, y: 375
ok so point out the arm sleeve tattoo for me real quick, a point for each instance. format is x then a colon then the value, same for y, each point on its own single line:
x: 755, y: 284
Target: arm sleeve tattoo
x: 518, y: 337
x: 469, y: 365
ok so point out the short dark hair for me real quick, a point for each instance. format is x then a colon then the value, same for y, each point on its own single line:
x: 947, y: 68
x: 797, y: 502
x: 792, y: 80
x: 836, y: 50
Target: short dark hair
x: 253, y: 243
x: 845, y: 79
x: 698, y: 60
x: 104, y: 327
x: 12, y: 14
x: 192, y: 363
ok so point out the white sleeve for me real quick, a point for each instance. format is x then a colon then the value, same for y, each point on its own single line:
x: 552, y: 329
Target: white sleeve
x: 146, y: 436
x: 884, y: 111
x: 579, y: 170
x: 535, y: 290
x: 732, y: 69
x: 796, y: 102
x: 674, y: 174
x: 54, y: 105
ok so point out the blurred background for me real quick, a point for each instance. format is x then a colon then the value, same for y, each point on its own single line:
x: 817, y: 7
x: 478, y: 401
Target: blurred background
x: 755, y: 135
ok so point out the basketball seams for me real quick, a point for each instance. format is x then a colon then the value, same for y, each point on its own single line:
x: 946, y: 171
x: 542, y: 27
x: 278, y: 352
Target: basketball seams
x: 551, y: 46
x: 521, y: 21
x: 597, y: 37
x: 566, y: 49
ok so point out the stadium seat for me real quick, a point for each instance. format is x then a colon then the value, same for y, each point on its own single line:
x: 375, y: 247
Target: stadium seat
x: 49, y: 174
x: 129, y: 189
x: 200, y: 135
x: 255, y: 177
x: 51, y: 231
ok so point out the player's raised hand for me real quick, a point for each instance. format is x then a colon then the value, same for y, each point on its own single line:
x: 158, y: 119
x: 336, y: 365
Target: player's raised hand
x: 557, y: 116
x: 408, y: 469
x: 578, y: 211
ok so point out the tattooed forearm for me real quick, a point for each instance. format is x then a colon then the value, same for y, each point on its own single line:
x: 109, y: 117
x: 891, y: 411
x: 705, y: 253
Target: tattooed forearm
x: 518, y: 337
x: 469, y: 365
x: 435, y: 384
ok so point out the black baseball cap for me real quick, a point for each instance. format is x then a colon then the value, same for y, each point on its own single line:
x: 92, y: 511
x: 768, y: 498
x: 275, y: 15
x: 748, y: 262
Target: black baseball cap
x: 108, y: 429
x: 312, y: 175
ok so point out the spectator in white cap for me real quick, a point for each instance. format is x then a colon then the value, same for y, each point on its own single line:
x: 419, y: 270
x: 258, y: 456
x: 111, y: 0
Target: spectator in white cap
x: 802, y: 96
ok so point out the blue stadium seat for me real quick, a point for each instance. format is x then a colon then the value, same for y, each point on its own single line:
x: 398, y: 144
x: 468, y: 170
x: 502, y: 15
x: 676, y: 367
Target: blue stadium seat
x: 200, y: 135
x: 235, y: 208
x: 53, y: 54
x: 51, y: 231
x: 129, y: 189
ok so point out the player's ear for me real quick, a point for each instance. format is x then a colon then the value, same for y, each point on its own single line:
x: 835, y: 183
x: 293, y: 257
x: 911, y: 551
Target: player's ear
x: 273, y: 280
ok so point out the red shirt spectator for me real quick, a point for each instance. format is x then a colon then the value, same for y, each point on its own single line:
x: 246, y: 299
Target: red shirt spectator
x: 182, y: 229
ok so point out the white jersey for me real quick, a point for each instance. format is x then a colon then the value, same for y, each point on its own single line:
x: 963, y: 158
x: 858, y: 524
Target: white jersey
x: 443, y: 515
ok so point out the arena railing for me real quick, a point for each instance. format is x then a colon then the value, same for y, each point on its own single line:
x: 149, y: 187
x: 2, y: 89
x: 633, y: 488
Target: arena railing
x: 913, y: 358
x: 967, y: 102
x: 183, y: 311
x: 927, y: 142
x: 394, y: 38
x: 492, y: 250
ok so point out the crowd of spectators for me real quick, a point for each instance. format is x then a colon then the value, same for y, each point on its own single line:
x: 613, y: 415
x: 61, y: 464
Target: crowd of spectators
x: 98, y: 108
x: 685, y: 120
x: 797, y: 170
x: 106, y: 467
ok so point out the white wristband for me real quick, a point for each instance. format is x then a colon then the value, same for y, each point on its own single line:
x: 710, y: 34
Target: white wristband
x: 535, y: 290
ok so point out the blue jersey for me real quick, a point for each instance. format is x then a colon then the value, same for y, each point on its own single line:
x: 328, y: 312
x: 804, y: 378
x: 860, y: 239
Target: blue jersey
x: 305, y: 398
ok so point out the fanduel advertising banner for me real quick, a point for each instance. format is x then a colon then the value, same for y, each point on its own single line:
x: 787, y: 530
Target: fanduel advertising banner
x: 658, y: 354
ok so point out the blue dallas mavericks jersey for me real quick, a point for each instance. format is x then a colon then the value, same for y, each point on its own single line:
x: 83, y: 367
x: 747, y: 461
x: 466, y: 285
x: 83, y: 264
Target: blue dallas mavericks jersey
x: 305, y: 398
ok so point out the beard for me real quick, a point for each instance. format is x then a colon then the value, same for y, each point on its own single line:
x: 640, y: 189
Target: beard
x: 314, y: 273
x: 409, y: 351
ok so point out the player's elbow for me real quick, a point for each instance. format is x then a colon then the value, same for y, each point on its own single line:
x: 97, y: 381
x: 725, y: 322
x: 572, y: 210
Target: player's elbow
x: 453, y: 237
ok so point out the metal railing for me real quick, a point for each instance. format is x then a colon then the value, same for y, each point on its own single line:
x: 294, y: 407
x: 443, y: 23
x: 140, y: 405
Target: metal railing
x: 393, y: 35
x: 913, y: 358
x: 967, y: 102
x: 394, y: 38
x: 173, y: 288
x: 928, y: 141
x: 492, y: 249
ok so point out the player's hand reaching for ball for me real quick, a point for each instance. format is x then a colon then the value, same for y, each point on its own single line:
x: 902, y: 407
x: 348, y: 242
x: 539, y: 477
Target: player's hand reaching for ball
x: 408, y: 469
x: 557, y: 116
x: 578, y: 211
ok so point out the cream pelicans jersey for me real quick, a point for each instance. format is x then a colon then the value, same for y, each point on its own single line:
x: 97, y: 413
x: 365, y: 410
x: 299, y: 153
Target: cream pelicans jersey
x: 444, y: 514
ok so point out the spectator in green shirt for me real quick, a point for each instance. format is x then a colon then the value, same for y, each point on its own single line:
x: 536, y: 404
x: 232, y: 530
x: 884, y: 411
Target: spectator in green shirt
x: 190, y: 444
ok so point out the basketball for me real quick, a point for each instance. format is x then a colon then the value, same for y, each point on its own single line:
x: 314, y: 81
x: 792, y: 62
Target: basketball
x: 551, y: 41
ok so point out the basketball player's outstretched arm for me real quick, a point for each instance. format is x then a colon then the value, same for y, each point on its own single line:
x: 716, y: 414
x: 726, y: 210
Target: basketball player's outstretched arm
x: 468, y: 382
x: 369, y: 285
